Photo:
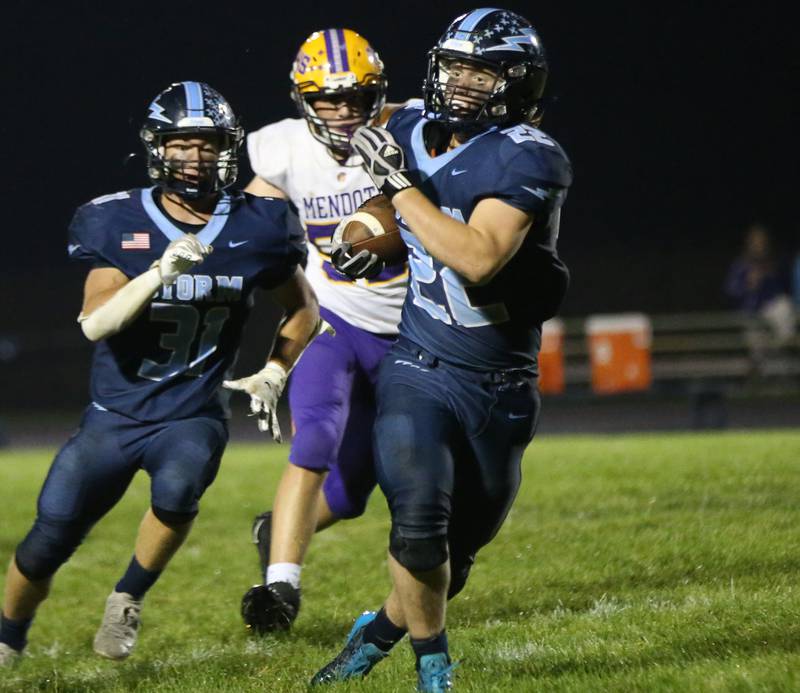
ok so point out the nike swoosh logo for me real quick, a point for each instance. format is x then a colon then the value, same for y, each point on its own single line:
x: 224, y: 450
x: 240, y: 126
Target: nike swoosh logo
x: 517, y: 416
x: 541, y: 193
x: 457, y: 172
x: 236, y: 244
x: 72, y: 247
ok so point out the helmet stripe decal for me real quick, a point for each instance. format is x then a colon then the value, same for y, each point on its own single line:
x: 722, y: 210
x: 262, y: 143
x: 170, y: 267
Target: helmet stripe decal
x: 343, y: 49
x: 336, y: 49
x: 332, y: 55
x: 471, y: 21
x: 194, y: 100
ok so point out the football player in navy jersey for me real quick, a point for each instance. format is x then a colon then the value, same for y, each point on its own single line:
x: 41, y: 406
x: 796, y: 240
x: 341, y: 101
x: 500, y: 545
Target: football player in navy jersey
x: 167, y: 316
x: 478, y: 188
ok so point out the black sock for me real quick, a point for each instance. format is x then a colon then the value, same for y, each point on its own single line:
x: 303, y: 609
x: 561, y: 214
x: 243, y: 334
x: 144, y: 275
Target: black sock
x: 382, y: 633
x: 15, y: 633
x: 137, y: 580
x: 429, y: 646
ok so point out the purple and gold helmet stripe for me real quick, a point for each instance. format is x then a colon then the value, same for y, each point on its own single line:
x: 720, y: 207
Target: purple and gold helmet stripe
x: 336, y: 47
x: 194, y: 100
x: 470, y: 21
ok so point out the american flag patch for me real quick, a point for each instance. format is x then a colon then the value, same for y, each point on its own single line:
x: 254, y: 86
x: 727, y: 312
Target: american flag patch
x: 136, y: 241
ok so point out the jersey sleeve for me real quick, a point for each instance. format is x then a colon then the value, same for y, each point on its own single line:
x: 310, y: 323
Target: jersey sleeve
x: 84, y: 242
x: 411, y: 111
x: 534, y: 174
x: 268, y: 150
x: 293, y: 252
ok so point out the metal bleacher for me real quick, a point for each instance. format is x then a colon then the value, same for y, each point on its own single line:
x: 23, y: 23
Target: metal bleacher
x: 705, y: 374
x: 687, y: 347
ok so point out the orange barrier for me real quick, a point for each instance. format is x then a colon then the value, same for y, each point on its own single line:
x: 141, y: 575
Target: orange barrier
x: 619, y: 352
x: 551, y: 358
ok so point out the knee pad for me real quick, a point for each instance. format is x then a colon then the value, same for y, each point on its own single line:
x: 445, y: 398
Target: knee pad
x: 170, y: 517
x: 46, y: 548
x: 418, y: 555
x: 460, y: 566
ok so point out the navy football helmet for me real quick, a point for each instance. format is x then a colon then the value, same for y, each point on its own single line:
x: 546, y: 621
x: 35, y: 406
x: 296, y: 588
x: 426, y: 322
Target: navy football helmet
x: 501, y: 45
x: 188, y: 110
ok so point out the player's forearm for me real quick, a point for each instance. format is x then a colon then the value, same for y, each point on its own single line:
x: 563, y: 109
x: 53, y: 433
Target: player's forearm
x: 465, y: 249
x: 121, y: 308
x: 298, y: 329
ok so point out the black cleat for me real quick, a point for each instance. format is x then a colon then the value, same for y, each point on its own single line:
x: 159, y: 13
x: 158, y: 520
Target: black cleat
x: 270, y: 608
x: 261, y: 532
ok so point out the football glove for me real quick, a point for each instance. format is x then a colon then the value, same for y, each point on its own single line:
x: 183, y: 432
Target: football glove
x: 264, y: 388
x: 383, y: 159
x: 362, y: 265
x: 180, y: 256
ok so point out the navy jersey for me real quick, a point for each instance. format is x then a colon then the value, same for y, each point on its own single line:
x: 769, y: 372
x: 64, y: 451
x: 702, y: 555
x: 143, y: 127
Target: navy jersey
x: 170, y: 361
x: 497, y: 324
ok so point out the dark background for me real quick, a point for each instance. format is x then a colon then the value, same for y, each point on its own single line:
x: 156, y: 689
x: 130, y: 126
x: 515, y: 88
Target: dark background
x: 680, y: 119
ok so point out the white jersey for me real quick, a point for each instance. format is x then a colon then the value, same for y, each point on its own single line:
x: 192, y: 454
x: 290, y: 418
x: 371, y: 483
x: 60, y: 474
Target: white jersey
x: 286, y: 155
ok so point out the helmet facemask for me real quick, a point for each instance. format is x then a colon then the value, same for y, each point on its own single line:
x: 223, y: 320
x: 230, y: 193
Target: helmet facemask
x: 336, y: 133
x: 193, y: 178
x: 509, y: 92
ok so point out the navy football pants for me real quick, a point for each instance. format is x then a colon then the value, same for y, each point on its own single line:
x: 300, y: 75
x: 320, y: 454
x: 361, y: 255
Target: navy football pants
x: 95, y: 467
x: 449, y: 443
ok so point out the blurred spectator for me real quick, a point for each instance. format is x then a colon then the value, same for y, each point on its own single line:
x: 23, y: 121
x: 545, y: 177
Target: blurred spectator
x: 760, y: 288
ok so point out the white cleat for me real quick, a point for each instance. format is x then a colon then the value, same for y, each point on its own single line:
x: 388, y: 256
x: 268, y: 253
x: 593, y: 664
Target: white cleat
x: 8, y: 655
x: 117, y: 634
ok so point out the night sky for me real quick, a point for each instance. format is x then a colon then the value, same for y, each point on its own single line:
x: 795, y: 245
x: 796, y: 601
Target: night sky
x: 679, y: 120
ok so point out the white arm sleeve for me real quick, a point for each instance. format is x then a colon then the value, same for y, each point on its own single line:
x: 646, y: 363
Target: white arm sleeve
x: 122, y: 308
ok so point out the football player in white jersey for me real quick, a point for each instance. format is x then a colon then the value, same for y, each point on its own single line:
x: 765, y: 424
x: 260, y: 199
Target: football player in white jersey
x: 338, y: 85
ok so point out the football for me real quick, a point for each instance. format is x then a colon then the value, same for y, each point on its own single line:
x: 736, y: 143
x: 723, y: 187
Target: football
x: 373, y: 227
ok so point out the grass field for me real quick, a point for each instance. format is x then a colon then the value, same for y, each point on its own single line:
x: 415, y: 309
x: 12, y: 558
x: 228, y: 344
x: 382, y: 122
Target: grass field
x: 635, y: 563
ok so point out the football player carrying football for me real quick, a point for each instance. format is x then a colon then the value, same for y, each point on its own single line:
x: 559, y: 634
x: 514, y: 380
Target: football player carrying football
x: 167, y: 316
x: 478, y: 188
x: 338, y: 85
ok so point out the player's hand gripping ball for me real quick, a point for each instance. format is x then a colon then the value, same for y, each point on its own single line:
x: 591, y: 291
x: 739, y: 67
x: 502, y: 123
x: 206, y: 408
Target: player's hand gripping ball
x: 365, y: 242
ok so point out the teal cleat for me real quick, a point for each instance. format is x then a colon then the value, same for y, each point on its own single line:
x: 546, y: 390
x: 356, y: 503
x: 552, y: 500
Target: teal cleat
x: 435, y: 673
x: 356, y: 659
